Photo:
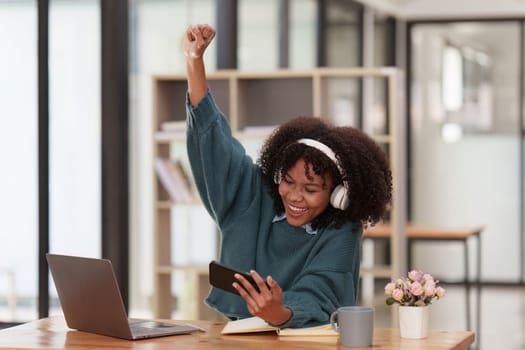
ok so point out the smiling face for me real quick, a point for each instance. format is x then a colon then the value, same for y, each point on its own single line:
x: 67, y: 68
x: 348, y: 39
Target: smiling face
x: 303, y: 198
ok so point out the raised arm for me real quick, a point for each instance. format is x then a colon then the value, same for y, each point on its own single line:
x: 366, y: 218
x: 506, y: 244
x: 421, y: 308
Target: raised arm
x: 196, y: 40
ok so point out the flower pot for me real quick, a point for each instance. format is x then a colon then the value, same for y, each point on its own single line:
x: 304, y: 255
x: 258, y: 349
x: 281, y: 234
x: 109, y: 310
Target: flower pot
x: 414, y: 321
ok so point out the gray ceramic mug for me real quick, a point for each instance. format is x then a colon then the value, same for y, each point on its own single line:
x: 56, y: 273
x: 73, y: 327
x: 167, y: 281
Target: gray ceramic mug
x: 355, y: 325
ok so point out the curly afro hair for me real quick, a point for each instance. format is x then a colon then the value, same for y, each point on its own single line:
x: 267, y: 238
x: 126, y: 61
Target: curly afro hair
x: 365, y: 167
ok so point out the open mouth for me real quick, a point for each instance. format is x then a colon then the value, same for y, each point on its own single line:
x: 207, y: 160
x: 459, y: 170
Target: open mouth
x: 296, y: 211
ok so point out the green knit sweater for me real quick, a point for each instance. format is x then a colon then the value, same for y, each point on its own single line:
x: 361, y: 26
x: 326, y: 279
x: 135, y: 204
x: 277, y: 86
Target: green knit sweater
x: 317, y: 272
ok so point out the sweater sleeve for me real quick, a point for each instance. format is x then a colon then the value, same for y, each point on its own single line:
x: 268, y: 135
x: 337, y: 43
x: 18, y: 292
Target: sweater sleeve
x: 227, y: 179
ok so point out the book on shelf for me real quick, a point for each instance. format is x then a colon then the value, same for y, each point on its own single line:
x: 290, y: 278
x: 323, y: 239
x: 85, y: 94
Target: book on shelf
x: 174, y: 125
x: 169, y: 136
x: 185, y: 178
x: 171, y: 131
x: 257, y: 324
x: 258, y: 131
x: 173, y: 178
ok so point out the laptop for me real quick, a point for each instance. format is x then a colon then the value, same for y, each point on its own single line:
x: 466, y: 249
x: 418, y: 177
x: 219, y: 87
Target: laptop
x: 91, y: 300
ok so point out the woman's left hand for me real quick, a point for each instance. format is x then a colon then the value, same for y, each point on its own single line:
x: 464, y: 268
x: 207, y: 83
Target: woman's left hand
x: 268, y: 302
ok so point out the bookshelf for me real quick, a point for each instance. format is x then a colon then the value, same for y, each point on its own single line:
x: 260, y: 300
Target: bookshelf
x: 255, y: 102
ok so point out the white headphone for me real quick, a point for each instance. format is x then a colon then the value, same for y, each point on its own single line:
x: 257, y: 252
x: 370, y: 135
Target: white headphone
x: 339, y: 197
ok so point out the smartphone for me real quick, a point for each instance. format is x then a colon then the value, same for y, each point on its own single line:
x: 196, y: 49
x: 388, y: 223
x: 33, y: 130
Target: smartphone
x: 222, y: 277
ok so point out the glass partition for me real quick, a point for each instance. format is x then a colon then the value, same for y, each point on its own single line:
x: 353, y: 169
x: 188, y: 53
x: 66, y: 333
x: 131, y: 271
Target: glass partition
x: 465, y: 142
x: 18, y: 151
x: 258, y: 35
x: 74, y: 130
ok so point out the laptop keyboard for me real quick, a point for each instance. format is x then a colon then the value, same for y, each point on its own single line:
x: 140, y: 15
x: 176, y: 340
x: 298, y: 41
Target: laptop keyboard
x: 141, y: 328
x: 150, y: 324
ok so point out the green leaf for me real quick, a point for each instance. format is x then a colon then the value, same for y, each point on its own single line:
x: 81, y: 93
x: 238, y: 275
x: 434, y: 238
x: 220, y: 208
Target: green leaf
x: 419, y: 303
x: 390, y: 301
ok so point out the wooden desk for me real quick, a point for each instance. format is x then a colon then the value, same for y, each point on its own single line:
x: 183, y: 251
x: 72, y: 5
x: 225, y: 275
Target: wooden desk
x: 418, y: 233
x: 52, y: 333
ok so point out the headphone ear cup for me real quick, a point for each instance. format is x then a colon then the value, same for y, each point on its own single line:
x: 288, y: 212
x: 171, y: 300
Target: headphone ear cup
x: 277, y: 177
x: 339, y: 198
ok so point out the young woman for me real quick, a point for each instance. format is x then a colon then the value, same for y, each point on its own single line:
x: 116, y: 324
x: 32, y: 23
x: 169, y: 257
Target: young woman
x: 295, y: 218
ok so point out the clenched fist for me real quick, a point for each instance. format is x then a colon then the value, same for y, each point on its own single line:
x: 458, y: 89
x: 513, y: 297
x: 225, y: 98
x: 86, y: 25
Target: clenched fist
x: 197, y: 39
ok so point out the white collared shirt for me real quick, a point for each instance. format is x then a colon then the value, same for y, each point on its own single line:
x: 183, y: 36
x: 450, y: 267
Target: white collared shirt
x: 307, y: 227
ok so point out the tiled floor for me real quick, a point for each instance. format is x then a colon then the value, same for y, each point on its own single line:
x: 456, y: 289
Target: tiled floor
x: 502, y: 325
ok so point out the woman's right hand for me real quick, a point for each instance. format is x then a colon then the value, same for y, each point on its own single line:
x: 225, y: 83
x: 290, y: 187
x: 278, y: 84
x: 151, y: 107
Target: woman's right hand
x: 197, y: 39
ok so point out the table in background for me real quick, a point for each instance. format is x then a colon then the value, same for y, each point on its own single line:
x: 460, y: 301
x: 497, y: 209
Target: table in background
x: 52, y: 333
x: 416, y: 233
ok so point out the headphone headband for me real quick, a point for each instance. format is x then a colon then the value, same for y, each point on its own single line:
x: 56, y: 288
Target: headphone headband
x: 327, y: 151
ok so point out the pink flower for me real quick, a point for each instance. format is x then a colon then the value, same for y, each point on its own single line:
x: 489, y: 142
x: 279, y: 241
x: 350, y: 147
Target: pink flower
x: 401, y: 284
x: 426, y: 277
x: 430, y: 288
x: 389, y: 288
x: 414, y: 275
x: 397, y: 294
x: 440, y: 292
x: 416, y: 289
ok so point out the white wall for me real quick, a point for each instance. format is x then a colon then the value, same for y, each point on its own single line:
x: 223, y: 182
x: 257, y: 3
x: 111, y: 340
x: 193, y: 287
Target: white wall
x: 469, y: 183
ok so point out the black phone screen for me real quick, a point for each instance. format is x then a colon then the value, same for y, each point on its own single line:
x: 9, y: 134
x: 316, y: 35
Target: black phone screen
x: 222, y: 277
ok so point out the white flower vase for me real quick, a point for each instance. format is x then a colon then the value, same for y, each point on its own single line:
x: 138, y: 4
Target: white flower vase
x: 414, y: 321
